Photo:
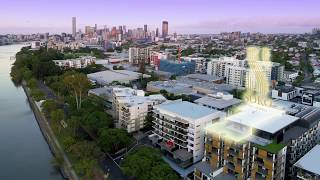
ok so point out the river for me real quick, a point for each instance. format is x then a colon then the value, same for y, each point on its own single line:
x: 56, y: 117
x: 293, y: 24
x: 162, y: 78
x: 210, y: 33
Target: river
x: 24, y: 153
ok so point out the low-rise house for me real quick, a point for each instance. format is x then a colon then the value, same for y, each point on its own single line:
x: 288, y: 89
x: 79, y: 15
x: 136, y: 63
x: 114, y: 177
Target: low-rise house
x: 284, y: 93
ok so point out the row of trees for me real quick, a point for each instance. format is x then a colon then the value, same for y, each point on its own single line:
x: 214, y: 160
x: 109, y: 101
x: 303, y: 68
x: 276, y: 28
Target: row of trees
x: 75, y: 118
x: 38, y: 64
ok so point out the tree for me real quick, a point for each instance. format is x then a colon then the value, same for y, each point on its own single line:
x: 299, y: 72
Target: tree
x: 68, y: 142
x: 142, y: 66
x: 148, y: 122
x: 97, y: 119
x: 79, y: 85
x: 85, y: 150
x: 84, y: 167
x: 48, y: 106
x: 56, y: 117
x: 146, y: 163
x: 73, y: 124
x: 112, y: 140
x: 173, y: 77
x: 187, y: 51
x: 32, y: 83
x: 37, y: 94
x: 237, y: 93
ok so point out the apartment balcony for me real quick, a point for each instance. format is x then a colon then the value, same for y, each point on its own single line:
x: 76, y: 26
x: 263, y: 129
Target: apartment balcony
x: 262, y: 171
x: 231, y: 166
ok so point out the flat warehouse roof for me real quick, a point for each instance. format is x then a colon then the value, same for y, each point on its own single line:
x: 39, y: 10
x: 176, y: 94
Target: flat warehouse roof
x: 267, y: 119
x: 106, y: 77
x: 310, y: 161
x: 218, y: 103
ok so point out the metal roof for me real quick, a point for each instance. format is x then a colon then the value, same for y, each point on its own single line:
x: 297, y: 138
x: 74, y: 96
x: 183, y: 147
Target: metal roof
x: 310, y: 161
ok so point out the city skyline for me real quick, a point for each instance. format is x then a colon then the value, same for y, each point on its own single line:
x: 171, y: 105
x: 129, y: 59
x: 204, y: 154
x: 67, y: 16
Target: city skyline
x: 184, y: 16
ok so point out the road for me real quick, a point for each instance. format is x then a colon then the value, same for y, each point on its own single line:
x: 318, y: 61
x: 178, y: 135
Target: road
x: 307, y: 75
x: 115, y: 171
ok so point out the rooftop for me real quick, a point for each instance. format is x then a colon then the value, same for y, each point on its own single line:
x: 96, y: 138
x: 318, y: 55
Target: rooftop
x: 210, y: 86
x: 107, y: 77
x: 285, y: 89
x: 229, y: 130
x: 186, y: 110
x: 218, y: 103
x: 136, y: 100
x: 310, y: 161
x: 204, y: 167
x: 263, y: 118
x: 272, y: 147
x: 204, y: 77
x: 171, y: 87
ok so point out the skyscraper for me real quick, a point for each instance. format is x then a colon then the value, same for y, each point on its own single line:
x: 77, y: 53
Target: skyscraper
x: 165, y: 29
x: 145, y: 28
x: 74, y: 26
x: 157, y: 32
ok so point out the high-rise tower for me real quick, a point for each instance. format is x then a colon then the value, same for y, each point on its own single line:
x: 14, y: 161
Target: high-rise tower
x: 74, y: 26
x: 165, y: 29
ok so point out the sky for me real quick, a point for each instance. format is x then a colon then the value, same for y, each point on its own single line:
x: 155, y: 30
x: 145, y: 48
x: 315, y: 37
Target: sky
x: 184, y: 16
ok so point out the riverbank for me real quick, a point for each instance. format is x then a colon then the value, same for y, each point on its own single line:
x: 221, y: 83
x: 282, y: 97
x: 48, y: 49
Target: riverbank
x: 55, y: 147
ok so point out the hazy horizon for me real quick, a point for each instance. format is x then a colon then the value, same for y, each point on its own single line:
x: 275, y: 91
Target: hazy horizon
x: 184, y: 16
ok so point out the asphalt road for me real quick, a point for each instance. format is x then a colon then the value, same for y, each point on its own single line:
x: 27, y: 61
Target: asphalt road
x: 115, y: 173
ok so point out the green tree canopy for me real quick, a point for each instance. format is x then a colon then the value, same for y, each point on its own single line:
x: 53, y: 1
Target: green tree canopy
x: 113, y: 140
x: 146, y: 163
x: 78, y: 85
x: 96, y: 120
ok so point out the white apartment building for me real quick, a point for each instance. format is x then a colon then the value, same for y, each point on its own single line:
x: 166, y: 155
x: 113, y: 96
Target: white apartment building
x: 216, y: 67
x: 179, y: 128
x: 238, y: 73
x: 201, y: 63
x: 130, y: 107
x: 133, y: 110
x: 290, y: 76
x: 138, y: 54
x: 235, y: 75
x: 121, y: 93
x: 78, y: 63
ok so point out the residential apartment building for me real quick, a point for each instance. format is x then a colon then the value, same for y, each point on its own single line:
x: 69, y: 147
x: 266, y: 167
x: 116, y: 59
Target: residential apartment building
x: 133, y: 110
x: 78, y: 63
x: 236, y: 75
x: 117, y: 95
x: 238, y: 72
x: 216, y: 67
x: 200, y: 63
x: 139, y: 54
x: 260, y: 142
x: 179, y: 130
